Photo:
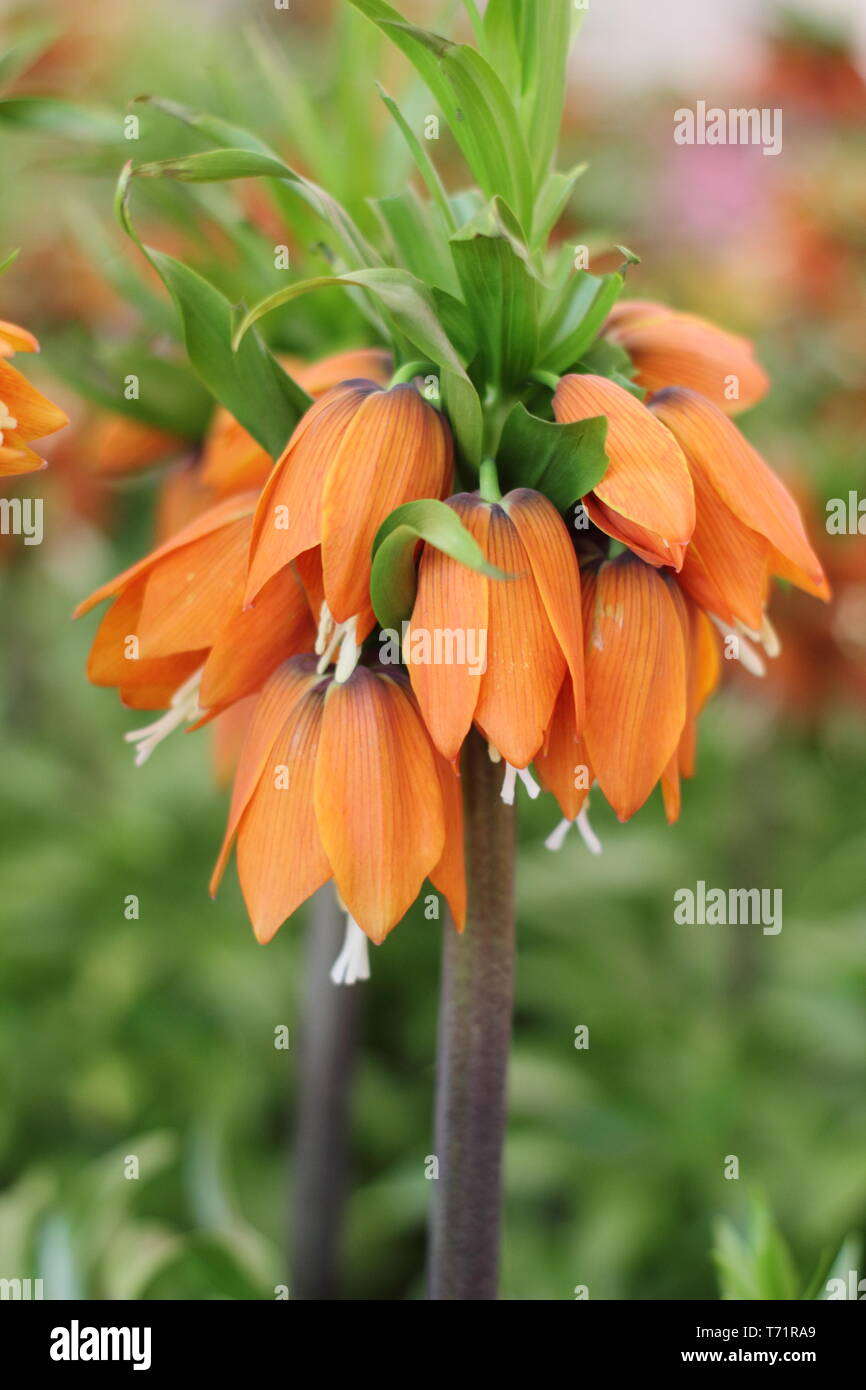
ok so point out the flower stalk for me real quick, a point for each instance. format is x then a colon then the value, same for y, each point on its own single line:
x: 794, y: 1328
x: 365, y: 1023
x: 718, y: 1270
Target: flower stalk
x: 474, y: 1040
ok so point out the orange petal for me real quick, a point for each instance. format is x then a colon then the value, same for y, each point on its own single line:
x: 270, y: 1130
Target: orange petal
x: 525, y: 664
x: 223, y: 514
x: 396, y: 449
x: 230, y: 729
x: 288, y: 518
x: 704, y: 671
x: 563, y: 764
x: 190, y: 593
x: 256, y: 640
x: 232, y: 461
x: 451, y: 598
x: 289, y: 684
x: 34, y: 413
x: 122, y: 445
x: 740, y: 476
x: 16, y: 457
x: 635, y: 681
x: 112, y: 659
x: 726, y: 564
x: 281, y: 861
x: 672, y: 349
x: 378, y: 803
x: 449, y: 874
x: 647, y: 482
x: 15, y: 339
x: 546, y: 541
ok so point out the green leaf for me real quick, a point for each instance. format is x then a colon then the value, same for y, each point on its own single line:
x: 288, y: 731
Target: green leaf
x: 552, y: 200
x: 393, y: 581
x: 250, y: 383
x: 476, y: 105
x: 565, y: 462
x: 547, y: 34
x: 423, y: 162
x: 245, y: 156
x: 26, y: 47
x: 578, y: 321
x: 417, y: 240
x: 171, y: 397
x: 51, y: 116
x: 502, y: 295
x: 502, y: 46
x: 413, y: 310
x: 9, y: 260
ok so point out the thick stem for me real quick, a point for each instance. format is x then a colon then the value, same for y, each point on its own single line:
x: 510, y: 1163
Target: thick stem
x: 474, y: 1041
x: 328, y: 1047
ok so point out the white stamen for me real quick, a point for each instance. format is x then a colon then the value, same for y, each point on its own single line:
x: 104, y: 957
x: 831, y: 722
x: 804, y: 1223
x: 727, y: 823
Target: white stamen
x: 7, y: 421
x: 353, y: 962
x: 557, y: 837
x: 770, y: 639
x: 326, y: 626
x: 509, y: 783
x: 587, y: 834
x: 742, y: 648
x: 184, y: 708
x: 349, y: 652
x: 493, y: 753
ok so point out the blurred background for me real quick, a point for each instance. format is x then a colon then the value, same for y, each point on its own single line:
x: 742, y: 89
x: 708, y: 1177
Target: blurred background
x: 153, y: 1035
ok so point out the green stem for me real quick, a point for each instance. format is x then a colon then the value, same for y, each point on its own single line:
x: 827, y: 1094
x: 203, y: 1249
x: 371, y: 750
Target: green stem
x: 410, y: 370
x: 488, y: 481
x: 474, y: 1042
x: 548, y: 379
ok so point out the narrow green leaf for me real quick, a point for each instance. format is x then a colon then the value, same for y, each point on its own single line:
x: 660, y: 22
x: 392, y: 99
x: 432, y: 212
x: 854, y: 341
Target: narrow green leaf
x: 52, y: 116
x: 25, y: 49
x: 9, y: 260
x: 587, y: 304
x: 552, y: 200
x: 502, y: 295
x: 565, y: 462
x: 546, y: 42
x: 250, y: 382
x: 476, y: 105
x: 393, y: 580
x: 418, y: 241
x: 423, y: 162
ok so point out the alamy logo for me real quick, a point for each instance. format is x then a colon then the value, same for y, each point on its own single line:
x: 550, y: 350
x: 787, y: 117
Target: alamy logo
x: 714, y: 907
x: 438, y: 646
x: 851, y: 1288
x: 738, y: 126
x: 21, y: 1289
x: 76, y: 1343
x: 22, y: 516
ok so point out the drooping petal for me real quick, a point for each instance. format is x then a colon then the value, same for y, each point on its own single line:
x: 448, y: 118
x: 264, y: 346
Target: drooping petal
x: 397, y: 448
x: 563, y: 764
x: 525, y: 663
x: 288, y: 518
x: 449, y: 874
x: 115, y: 656
x: 740, y: 476
x: 704, y: 671
x: 281, y: 861
x: 191, y: 592
x: 256, y: 640
x: 35, y: 414
x: 647, y: 482
x: 289, y: 684
x: 378, y: 800
x: 14, y: 339
x: 673, y: 349
x: 451, y: 598
x: 635, y: 680
x: 232, y: 461
x: 726, y: 564
x: 16, y: 457
x: 554, y: 568
x: 222, y: 515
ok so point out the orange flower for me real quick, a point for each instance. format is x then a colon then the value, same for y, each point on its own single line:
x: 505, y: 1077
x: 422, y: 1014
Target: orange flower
x: 25, y: 414
x: 178, y: 621
x: 646, y: 498
x: 672, y: 349
x: 638, y: 646
x: 748, y: 525
x: 358, y: 453
x: 123, y: 445
x: 530, y: 621
x: 340, y: 780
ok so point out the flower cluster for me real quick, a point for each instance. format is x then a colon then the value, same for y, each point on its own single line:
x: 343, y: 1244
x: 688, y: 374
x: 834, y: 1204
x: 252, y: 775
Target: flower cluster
x: 25, y: 414
x: 603, y: 628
